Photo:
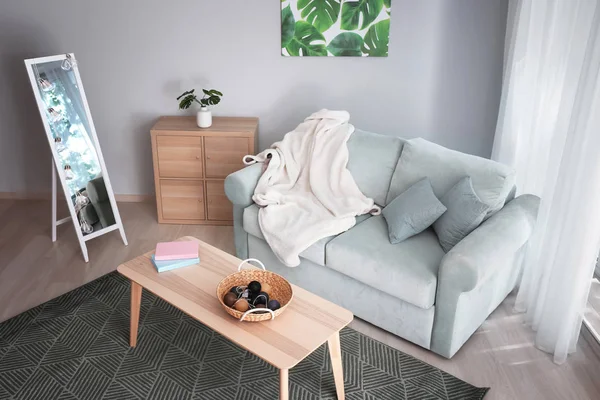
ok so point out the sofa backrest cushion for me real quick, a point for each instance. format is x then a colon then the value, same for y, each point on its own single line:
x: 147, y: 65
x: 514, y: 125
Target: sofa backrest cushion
x: 420, y: 158
x: 372, y: 160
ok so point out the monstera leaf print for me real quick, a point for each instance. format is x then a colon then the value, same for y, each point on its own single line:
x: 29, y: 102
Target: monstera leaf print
x: 288, y: 26
x: 388, y: 6
x: 320, y: 13
x: 346, y: 44
x: 352, y: 11
x: 377, y: 39
x: 307, y: 41
x: 335, y: 27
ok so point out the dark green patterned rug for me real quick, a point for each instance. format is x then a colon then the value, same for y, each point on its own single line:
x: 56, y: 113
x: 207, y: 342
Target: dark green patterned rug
x: 76, y: 347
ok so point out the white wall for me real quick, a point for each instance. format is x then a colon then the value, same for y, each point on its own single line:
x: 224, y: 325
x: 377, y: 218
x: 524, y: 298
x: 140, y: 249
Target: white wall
x: 441, y: 81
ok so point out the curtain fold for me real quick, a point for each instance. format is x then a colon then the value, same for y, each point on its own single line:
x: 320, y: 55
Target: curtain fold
x: 549, y: 131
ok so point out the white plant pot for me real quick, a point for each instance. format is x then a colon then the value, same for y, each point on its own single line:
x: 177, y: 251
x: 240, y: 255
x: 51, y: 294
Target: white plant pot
x: 204, y: 118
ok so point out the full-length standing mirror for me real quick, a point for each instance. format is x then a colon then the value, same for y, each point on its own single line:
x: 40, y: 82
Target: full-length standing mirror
x: 77, y: 157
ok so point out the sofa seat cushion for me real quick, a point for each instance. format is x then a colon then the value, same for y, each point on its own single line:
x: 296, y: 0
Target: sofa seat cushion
x: 315, y: 253
x: 420, y: 159
x: 407, y: 270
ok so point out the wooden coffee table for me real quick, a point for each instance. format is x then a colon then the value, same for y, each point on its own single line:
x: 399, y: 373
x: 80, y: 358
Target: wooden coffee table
x: 307, y: 323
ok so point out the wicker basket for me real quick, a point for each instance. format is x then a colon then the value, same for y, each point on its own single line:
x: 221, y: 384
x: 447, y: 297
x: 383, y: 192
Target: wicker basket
x: 281, y: 291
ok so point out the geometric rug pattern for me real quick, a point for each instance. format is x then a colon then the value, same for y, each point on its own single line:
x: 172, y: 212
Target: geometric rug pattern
x: 77, y: 347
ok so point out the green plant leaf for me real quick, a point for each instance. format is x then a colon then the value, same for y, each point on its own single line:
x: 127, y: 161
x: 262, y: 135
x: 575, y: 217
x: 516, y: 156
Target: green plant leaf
x: 186, y: 93
x: 187, y: 101
x: 215, y: 92
x: 346, y: 44
x: 320, y: 13
x: 387, y: 3
x: 377, y: 39
x: 307, y: 41
x: 288, y: 26
x: 352, y: 11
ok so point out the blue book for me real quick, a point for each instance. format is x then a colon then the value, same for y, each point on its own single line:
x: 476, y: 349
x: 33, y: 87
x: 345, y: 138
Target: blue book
x: 162, y: 266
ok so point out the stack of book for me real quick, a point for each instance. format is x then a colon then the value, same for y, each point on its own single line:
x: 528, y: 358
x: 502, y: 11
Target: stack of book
x: 172, y: 255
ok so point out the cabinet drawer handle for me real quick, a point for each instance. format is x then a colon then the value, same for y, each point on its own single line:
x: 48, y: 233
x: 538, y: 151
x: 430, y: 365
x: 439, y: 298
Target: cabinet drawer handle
x: 199, y: 200
x: 197, y: 157
x: 208, y: 157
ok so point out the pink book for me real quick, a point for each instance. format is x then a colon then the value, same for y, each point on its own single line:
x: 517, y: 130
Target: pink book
x: 176, y: 251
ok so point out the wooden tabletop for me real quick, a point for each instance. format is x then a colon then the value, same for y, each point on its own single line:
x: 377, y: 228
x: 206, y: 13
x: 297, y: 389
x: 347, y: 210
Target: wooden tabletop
x: 307, y: 323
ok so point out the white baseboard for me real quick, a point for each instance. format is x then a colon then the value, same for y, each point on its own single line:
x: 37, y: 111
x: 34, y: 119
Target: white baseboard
x: 135, y: 198
x: 124, y: 198
x: 26, y: 196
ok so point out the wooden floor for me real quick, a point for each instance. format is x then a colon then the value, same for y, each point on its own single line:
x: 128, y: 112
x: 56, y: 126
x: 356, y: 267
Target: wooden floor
x: 500, y: 354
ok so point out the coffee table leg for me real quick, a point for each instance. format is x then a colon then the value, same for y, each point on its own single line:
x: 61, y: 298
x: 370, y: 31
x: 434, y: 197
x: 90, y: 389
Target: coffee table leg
x: 283, y: 384
x: 136, y: 299
x: 336, y: 364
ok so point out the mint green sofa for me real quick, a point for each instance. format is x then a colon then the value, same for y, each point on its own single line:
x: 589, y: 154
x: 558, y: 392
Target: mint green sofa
x: 412, y: 289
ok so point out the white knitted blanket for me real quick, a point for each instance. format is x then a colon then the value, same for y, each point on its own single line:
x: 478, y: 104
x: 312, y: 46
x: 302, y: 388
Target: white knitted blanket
x: 306, y: 193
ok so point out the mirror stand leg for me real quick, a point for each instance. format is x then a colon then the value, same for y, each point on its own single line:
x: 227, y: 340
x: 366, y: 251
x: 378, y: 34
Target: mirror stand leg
x: 84, y: 251
x: 122, y: 232
x: 53, y: 202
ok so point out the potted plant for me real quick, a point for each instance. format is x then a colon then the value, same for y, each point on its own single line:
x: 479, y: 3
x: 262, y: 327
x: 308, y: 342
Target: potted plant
x: 211, y: 97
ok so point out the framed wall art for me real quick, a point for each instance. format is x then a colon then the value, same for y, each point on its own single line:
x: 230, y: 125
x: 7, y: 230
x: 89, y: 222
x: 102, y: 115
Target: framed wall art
x: 335, y: 28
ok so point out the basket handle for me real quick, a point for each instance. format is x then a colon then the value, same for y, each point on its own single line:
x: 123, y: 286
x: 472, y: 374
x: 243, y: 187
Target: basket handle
x: 239, y: 268
x: 258, y: 309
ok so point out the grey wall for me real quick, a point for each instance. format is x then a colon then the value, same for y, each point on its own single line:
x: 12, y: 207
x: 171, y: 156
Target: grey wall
x: 441, y: 81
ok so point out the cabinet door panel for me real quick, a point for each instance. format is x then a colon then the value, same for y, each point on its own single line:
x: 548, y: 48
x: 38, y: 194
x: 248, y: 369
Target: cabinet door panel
x: 219, y: 206
x: 179, y: 156
x: 224, y: 155
x: 182, y: 199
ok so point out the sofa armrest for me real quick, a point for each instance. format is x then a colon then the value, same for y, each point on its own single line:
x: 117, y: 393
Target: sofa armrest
x: 239, y: 186
x: 479, y: 272
x: 502, y: 235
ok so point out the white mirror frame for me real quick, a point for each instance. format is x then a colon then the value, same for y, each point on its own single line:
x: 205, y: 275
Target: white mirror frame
x: 56, y: 164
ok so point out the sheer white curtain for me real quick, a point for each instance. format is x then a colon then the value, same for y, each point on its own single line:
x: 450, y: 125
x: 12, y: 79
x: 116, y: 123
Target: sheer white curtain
x: 549, y: 131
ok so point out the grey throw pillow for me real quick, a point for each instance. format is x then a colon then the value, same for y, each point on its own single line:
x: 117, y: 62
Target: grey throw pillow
x: 465, y: 213
x: 412, y: 211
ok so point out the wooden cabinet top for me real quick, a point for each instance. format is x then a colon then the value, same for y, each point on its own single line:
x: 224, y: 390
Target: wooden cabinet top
x: 238, y: 126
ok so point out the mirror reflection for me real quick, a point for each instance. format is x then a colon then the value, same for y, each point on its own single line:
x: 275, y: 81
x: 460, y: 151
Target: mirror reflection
x: 66, y: 115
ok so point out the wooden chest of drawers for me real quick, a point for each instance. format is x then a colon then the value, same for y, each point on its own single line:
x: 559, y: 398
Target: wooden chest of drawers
x: 191, y: 163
